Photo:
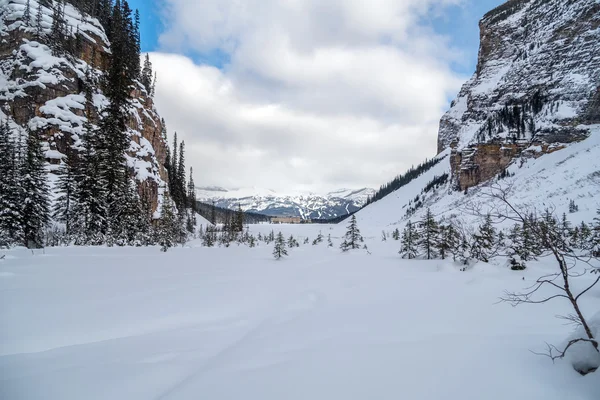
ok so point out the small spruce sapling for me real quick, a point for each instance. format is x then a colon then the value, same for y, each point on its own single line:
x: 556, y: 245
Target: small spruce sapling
x: 279, y: 250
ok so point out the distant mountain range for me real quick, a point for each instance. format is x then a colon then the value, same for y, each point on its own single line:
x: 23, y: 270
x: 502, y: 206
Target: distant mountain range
x: 268, y: 202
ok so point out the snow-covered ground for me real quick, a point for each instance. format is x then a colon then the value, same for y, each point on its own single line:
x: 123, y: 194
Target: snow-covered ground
x: 233, y: 323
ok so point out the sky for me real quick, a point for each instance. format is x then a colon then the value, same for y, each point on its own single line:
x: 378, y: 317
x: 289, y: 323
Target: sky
x: 308, y: 95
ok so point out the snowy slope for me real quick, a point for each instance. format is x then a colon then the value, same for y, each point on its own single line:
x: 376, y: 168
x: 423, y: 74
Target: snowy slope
x: 550, y: 181
x: 305, y: 205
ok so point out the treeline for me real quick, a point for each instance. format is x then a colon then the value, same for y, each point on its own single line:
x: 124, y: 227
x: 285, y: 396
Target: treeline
x: 220, y: 215
x: 403, y: 179
x: 430, y: 238
x: 97, y: 198
x: 334, y: 220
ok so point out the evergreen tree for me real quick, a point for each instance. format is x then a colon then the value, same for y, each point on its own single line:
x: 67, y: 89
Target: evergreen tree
x: 279, y: 250
x: 146, y: 78
x: 191, y: 193
x: 428, y: 232
x: 573, y: 208
x: 484, y: 241
x: 181, y: 178
x: 210, y: 237
x: 38, y: 21
x: 396, y: 234
x: 90, y: 205
x: 27, y: 13
x: 410, y: 241
x: 448, y: 241
x: 565, y: 227
x: 192, y: 206
x: 153, y: 89
x: 292, y: 242
x: 595, y: 240
x: 58, y: 28
x: 329, y: 242
x: 131, y: 217
x: 167, y: 229
x: 64, y: 205
x: 238, y: 223
x: 352, y: 238
x: 36, y: 209
x: 585, y: 234
x: 10, y: 189
x: 318, y: 239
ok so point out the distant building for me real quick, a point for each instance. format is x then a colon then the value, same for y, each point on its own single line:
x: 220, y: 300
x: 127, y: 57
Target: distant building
x: 287, y: 220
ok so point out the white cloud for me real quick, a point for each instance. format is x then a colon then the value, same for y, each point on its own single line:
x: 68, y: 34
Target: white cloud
x: 318, y: 94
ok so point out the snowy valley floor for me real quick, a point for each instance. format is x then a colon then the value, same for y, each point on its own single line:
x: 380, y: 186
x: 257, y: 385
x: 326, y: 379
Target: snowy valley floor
x: 216, y: 323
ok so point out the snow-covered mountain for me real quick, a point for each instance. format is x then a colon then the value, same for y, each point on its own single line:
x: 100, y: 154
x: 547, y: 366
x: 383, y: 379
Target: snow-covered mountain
x: 53, y: 92
x: 528, y: 120
x: 266, y: 201
x: 537, y: 83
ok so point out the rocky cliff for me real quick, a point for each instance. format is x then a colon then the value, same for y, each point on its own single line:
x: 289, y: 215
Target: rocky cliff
x: 44, y: 90
x: 536, y: 87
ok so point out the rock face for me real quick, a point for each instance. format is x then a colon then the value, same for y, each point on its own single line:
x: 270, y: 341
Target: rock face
x: 537, y: 85
x: 44, y: 91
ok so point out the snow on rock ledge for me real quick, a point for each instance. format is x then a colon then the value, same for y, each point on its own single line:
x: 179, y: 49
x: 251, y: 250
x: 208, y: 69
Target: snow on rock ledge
x: 45, y: 92
x: 536, y: 83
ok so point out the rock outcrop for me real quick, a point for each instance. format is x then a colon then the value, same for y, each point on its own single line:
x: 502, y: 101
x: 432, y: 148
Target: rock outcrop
x: 43, y: 90
x: 537, y: 85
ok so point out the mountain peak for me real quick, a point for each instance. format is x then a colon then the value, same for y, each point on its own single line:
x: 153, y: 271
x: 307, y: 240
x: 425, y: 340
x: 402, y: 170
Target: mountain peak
x: 306, y: 205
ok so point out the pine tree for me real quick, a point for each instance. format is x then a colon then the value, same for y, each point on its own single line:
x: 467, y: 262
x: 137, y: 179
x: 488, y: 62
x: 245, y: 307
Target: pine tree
x: 146, y: 78
x: 181, y: 178
x: 38, y: 21
x: 428, y: 232
x: 90, y: 196
x: 238, y: 222
x: 448, y: 241
x: 292, y: 242
x: 352, y: 238
x: 573, y: 208
x: 58, y: 28
x: 410, y: 241
x: 585, y: 234
x: 64, y: 205
x: 318, y: 239
x: 565, y: 227
x: 210, y: 237
x: 396, y: 234
x: 132, y: 217
x: 329, y: 242
x: 10, y: 189
x: 36, y: 209
x: 167, y: 230
x: 279, y: 250
x: 27, y: 13
x: 153, y: 88
x: 484, y: 241
x: 595, y: 239
x: 515, y: 239
x: 191, y: 193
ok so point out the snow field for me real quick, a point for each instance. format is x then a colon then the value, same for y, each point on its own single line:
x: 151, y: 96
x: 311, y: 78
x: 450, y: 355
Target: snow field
x: 233, y: 323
